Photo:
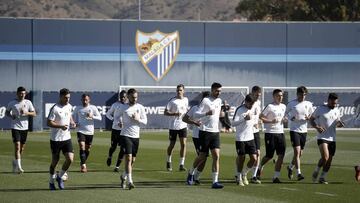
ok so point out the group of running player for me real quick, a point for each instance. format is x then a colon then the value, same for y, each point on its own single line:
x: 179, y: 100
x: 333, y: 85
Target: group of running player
x: 203, y: 118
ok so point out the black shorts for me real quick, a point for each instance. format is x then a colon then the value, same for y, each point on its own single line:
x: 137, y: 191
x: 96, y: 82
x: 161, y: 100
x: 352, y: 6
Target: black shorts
x: 173, y: 134
x: 115, y: 137
x: 196, y: 142
x: 298, y: 139
x: 85, y: 138
x: 245, y: 147
x: 130, y: 145
x: 19, y: 135
x: 331, y: 145
x: 208, y: 140
x: 64, y: 146
x: 257, y: 140
x: 275, y: 142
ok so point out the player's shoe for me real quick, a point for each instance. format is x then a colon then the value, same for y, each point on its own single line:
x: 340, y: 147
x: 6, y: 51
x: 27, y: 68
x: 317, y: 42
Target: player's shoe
x: 117, y: 169
x: 190, y: 179
x: 323, y: 181
x: 131, y: 186
x: 300, y: 177
x: 357, y: 173
x: 52, y: 186
x: 168, y: 166
x: 240, y: 183
x: 245, y: 180
x: 254, y: 180
x: 276, y: 180
x: 122, y: 183
x: 182, y: 168
x: 60, y: 183
x: 290, y: 172
x: 259, y: 174
x: 197, y: 182
x: 217, y: 185
x: 83, y: 168
x: 108, y: 161
x: 20, y: 170
x: 315, y: 176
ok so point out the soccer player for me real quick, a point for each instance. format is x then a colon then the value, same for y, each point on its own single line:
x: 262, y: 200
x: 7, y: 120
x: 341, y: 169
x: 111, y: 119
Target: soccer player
x: 189, y: 118
x: 325, y: 119
x: 134, y: 116
x: 112, y: 115
x: 84, y: 117
x: 60, y: 120
x: 357, y: 173
x: 256, y: 108
x: 209, y: 113
x: 176, y: 109
x: 298, y: 112
x: 273, y: 117
x: 244, y: 122
x: 19, y: 111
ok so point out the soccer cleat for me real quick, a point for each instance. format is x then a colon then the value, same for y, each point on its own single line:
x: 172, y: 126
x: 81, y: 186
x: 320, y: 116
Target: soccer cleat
x: 290, y: 172
x: 182, y: 168
x: 300, y: 177
x: 83, y: 168
x: 254, y: 180
x: 217, y: 185
x: 117, y: 169
x: 240, y: 183
x: 323, y: 181
x: 20, y: 170
x: 197, y: 182
x: 245, y: 180
x: 108, y: 161
x: 190, y: 179
x: 60, y: 183
x: 314, y: 176
x: 357, y: 173
x: 131, y: 186
x: 276, y: 180
x: 168, y: 166
x: 52, y: 186
x: 123, y: 180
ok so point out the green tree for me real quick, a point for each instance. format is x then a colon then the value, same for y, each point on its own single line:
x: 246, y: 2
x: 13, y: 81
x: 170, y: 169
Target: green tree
x: 300, y: 10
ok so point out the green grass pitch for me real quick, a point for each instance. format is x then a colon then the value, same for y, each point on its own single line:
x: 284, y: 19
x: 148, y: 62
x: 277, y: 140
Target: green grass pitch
x: 155, y: 184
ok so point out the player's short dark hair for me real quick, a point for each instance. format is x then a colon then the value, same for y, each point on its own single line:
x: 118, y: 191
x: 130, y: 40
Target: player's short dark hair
x: 276, y: 91
x: 122, y: 92
x: 215, y: 85
x: 85, y: 95
x: 64, y: 91
x: 256, y: 89
x: 131, y: 91
x: 249, y: 98
x: 205, y: 94
x: 333, y: 96
x: 301, y: 90
x: 180, y: 85
x: 20, y: 89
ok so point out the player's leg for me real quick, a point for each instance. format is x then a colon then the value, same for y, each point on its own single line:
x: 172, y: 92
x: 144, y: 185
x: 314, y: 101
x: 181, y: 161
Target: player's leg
x: 214, y: 146
x: 88, y: 144
x: 324, y: 156
x: 330, y: 151
x: 258, y: 155
x: 68, y: 152
x: 172, y: 142
x: 119, y: 159
x: 55, y: 156
x: 270, y: 150
x: 182, y: 153
x: 280, y: 146
x: 115, y: 134
x: 82, y: 155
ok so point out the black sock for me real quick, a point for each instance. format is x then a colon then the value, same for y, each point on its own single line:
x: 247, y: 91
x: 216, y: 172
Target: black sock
x: 87, y: 153
x: 82, y: 156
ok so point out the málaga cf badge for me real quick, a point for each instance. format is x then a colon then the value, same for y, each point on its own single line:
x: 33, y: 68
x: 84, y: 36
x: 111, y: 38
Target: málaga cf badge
x: 157, y: 51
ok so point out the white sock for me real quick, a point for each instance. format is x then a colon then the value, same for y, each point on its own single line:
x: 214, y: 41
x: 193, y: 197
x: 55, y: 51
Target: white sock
x: 317, y: 169
x: 298, y: 171
x: 130, y: 178
x: 169, y: 158
x: 215, y: 177
x: 61, y: 173
x: 255, y: 168
x: 291, y: 166
x: 52, y: 178
x: 323, y: 174
x: 182, y: 160
x: 124, y: 175
x: 276, y: 174
x: 18, y: 163
x: 239, y: 176
x: 197, y: 174
x: 192, y: 171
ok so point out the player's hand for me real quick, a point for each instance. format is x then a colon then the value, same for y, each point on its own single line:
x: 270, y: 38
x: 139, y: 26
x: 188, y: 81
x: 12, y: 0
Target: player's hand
x: 307, y: 117
x: 340, y: 124
x: 274, y: 120
x: 197, y: 123
x: 320, y: 129
x: 292, y: 119
x: 73, y: 125
x: 64, y: 127
x: 256, y: 126
x: 178, y: 114
x: 90, y: 116
x: 120, y: 124
x: 247, y: 117
x: 136, y: 116
x: 210, y: 112
x: 284, y: 120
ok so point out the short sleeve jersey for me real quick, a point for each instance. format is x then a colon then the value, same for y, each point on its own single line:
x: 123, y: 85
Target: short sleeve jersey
x: 327, y: 118
x: 15, y: 108
x: 61, y: 115
x: 271, y: 112
x: 176, y: 105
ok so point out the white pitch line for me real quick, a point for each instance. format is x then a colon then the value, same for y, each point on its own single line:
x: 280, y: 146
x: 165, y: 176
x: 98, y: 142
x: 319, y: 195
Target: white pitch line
x: 326, y: 194
x: 290, y: 189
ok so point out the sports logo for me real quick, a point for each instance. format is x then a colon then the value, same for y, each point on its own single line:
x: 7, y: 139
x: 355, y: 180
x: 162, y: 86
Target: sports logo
x: 157, y: 51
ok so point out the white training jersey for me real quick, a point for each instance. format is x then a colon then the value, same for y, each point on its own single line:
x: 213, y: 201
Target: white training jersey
x: 113, y: 115
x: 131, y: 127
x: 191, y: 114
x: 244, y: 128
x: 298, y: 111
x: 84, y: 124
x: 209, y: 123
x: 17, y: 109
x: 61, y: 115
x: 327, y: 118
x: 274, y: 111
x: 256, y: 108
x: 176, y: 105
